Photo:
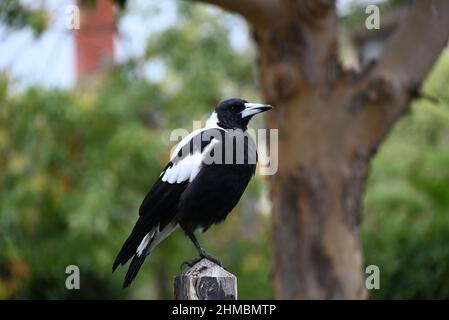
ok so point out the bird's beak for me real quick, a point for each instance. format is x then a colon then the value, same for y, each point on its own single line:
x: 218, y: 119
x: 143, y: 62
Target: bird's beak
x: 254, y: 108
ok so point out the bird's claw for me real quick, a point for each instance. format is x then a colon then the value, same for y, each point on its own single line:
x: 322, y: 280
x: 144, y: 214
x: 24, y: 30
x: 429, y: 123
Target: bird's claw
x: 191, y: 263
x: 210, y: 258
x: 204, y: 255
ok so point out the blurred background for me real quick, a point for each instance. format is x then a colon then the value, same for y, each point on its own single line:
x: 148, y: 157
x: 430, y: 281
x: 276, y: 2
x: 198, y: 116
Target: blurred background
x: 85, y: 120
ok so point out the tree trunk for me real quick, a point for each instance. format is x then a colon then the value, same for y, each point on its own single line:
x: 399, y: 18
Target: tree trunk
x: 316, y: 193
x: 330, y: 122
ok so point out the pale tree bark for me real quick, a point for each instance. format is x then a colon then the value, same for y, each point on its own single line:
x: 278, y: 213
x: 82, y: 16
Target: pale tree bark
x: 330, y: 123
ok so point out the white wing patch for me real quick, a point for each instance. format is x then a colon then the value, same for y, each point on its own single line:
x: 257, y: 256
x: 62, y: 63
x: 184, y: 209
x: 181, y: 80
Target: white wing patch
x: 185, y: 141
x: 154, y: 237
x: 162, y: 234
x: 144, y: 243
x: 211, y: 123
x: 188, y: 167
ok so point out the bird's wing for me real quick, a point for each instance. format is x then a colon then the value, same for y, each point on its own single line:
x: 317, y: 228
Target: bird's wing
x: 159, y: 207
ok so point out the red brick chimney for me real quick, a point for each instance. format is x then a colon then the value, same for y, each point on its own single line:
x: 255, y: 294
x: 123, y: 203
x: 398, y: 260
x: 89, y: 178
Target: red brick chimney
x: 94, y: 41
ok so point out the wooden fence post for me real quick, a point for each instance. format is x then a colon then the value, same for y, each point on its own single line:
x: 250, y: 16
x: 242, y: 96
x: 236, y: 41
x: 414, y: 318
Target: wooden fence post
x: 205, y: 281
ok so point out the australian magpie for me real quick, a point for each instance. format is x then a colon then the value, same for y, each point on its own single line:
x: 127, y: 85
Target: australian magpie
x: 207, y: 174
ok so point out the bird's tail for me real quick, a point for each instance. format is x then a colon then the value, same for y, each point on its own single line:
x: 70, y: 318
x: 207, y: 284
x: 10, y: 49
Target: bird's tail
x: 129, y: 248
x: 138, y: 247
x: 133, y: 269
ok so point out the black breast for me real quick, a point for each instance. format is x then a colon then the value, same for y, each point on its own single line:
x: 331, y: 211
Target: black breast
x: 224, y: 175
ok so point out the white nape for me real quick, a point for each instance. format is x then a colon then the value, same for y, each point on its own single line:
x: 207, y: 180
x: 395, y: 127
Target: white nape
x: 212, y: 122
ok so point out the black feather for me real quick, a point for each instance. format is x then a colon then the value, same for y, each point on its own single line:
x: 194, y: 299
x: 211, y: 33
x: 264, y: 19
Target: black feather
x: 159, y: 205
x: 134, y: 267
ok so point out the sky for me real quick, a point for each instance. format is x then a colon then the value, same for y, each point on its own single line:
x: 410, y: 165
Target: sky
x: 48, y: 60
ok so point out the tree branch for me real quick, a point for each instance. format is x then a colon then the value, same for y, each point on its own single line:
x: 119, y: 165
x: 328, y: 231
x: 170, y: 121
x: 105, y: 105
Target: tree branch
x: 257, y: 12
x: 411, y: 52
x: 380, y: 98
x: 313, y: 11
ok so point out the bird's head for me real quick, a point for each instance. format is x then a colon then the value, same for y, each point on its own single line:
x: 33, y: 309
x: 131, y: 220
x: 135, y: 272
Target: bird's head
x: 236, y: 113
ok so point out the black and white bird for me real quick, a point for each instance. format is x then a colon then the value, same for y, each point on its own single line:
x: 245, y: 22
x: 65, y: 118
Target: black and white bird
x: 207, y: 174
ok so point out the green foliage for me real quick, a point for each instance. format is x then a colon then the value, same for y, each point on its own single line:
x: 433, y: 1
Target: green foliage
x: 15, y: 15
x: 198, y: 69
x: 355, y: 14
x: 406, y: 227
x: 91, y: 4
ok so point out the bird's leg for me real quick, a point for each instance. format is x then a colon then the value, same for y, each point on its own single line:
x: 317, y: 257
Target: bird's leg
x: 202, y: 253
